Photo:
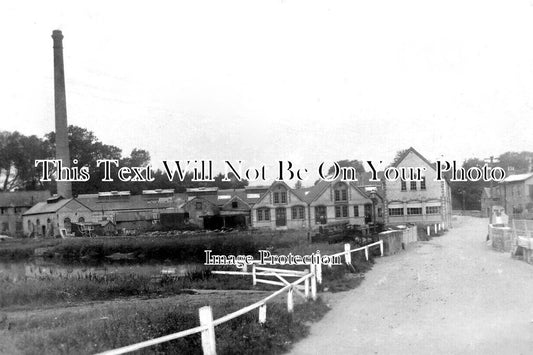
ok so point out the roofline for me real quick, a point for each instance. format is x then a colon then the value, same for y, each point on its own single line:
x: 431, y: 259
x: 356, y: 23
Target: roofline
x: 409, y: 150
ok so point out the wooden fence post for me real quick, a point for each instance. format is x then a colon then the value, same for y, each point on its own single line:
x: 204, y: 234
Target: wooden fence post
x: 429, y: 231
x: 366, y: 253
x: 381, y: 247
x: 435, y: 228
x: 306, y: 288
x: 254, y: 278
x: 347, y: 255
x: 208, y: 336
x: 263, y: 314
x: 290, y: 300
x: 318, y: 268
x: 313, y: 283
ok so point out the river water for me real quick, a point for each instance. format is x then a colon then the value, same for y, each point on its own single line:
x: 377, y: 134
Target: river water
x: 45, y: 269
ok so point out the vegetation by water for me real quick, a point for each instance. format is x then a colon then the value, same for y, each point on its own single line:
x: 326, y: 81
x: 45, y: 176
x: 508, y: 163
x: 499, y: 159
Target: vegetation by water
x: 138, y: 306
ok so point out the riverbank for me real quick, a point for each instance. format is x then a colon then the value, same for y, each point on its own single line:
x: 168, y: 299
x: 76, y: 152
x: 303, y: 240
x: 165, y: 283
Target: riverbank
x: 96, y: 312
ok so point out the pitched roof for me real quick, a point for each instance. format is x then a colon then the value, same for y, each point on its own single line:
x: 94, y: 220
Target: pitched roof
x: 412, y: 150
x: 46, y: 207
x: 309, y: 194
x: 23, y: 198
x: 517, y: 177
x: 133, y: 202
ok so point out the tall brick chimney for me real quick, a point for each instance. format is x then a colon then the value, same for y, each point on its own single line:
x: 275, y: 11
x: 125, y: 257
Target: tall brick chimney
x: 62, y: 149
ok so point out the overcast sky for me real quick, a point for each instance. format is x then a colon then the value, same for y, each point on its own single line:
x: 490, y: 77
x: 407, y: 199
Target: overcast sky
x: 277, y: 80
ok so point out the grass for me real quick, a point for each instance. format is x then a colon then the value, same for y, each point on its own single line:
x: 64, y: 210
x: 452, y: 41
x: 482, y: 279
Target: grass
x: 32, y: 293
x: 105, y: 328
x: 138, y: 307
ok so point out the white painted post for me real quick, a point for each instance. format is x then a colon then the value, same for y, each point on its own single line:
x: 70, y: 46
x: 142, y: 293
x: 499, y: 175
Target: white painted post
x: 381, y: 247
x: 366, y: 253
x: 245, y: 267
x: 306, y: 288
x: 347, y: 255
x: 263, y: 314
x: 208, y: 336
x: 254, y: 278
x: 429, y: 231
x: 319, y: 270
x: 435, y: 228
x: 313, y: 283
x: 290, y: 300
x: 330, y: 264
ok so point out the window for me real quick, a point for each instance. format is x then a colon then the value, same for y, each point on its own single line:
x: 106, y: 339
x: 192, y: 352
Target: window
x: 198, y: 206
x: 413, y: 185
x: 341, y: 211
x: 356, y: 211
x: 263, y: 214
x: 298, y: 212
x: 414, y: 211
x: 397, y: 211
x: 81, y: 220
x: 341, y: 192
x: 280, y: 197
x: 404, y: 186
x: 432, y: 209
x: 423, y: 183
x: 234, y: 204
x: 3, y: 210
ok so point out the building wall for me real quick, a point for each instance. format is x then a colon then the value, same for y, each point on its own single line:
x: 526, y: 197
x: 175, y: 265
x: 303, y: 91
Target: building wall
x: 267, y: 202
x: 11, y: 220
x: 518, y: 197
x: 196, y: 214
x: 436, y: 194
x: 327, y: 199
x: 54, y: 221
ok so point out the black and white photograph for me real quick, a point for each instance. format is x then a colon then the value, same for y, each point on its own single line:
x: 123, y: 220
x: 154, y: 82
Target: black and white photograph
x: 266, y: 177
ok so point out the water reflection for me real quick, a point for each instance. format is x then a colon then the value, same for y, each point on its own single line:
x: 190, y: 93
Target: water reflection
x: 42, y: 269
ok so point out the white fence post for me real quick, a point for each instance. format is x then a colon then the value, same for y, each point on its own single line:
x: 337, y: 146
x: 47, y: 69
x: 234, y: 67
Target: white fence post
x: 290, y: 300
x: 435, y: 228
x: 313, y: 282
x: 428, y: 231
x: 208, y: 336
x: 366, y: 253
x: 381, y: 247
x: 306, y: 288
x: 347, y: 255
x: 254, y: 278
x: 263, y: 314
x: 318, y: 268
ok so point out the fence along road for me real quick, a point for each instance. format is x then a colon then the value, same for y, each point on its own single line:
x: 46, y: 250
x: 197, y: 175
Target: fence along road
x: 207, y: 324
x: 451, y: 295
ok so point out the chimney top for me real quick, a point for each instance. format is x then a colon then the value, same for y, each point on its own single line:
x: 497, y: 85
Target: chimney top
x: 58, y: 38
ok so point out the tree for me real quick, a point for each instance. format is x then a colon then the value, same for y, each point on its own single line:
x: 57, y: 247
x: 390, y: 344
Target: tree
x: 399, y: 155
x: 17, y: 156
x: 87, y: 149
x: 518, y: 162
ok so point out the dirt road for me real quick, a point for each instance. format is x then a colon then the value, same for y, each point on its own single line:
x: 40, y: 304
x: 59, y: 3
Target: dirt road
x: 451, y: 295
